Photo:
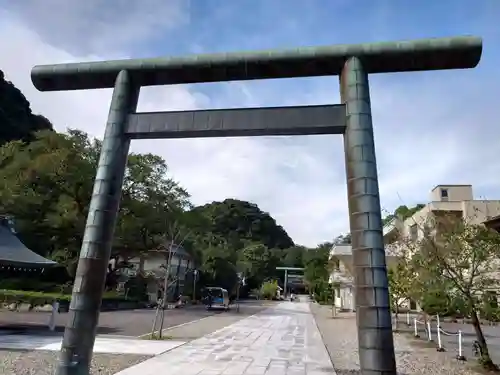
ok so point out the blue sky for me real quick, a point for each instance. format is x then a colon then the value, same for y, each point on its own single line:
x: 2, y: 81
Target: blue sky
x: 430, y: 128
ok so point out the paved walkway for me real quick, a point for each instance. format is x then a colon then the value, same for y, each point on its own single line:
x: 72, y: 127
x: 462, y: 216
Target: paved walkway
x: 282, y: 340
x: 102, y: 345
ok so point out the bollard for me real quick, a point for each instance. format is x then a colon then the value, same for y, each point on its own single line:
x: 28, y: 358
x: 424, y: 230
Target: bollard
x: 415, y: 328
x: 408, y: 318
x: 429, y: 334
x: 52, y: 320
x: 440, y: 346
x: 460, y: 356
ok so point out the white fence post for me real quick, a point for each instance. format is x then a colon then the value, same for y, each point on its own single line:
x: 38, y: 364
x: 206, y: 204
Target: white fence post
x: 52, y: 320
x: 415, y: 328
x: 440, y: 345
x: 429, y: 330
x: 408, y: 318
x: 460, y: 355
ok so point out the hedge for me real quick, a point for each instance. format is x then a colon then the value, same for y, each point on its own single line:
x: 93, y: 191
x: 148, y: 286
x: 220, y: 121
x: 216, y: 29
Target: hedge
x: 41, y: 298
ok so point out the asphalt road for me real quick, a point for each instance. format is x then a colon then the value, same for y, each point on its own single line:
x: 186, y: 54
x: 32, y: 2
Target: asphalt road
x: 123, y: 323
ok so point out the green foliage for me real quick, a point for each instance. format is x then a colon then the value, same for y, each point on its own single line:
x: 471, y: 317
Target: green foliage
x: 16, y: 118
x: 49, y: 198
x: 33, y: 298
x: 292, y: 257
x: 269, y: 289
x: 343, y: 239
x: 316, y: 269
x: 257, y: 262
x: 323, y: 292
x: 46, y: 186
x: 240, y: 221
x: 456, y: 263
x: 401, y: 279
x: 403, y: 212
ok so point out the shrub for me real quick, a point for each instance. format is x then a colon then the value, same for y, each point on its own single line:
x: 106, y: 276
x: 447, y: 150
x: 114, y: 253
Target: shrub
x: 269, y: 289
x: 39, y: 298
x: 29, y: 284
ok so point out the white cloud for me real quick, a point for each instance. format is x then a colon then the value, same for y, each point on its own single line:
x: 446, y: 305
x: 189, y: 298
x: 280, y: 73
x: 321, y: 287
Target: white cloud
x: 423, y: 128
x: 93, y: 25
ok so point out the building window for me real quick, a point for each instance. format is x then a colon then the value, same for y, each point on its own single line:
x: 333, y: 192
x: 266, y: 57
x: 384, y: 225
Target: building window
x: 444, y: 193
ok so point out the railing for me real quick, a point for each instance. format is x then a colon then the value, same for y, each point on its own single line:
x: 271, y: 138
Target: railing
x: 440, y: 347
x: 427, y: 325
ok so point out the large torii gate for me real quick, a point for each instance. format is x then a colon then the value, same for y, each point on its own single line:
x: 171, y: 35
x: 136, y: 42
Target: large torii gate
x: 352, y: 119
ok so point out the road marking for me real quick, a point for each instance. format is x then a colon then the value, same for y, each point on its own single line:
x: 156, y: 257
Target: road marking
x: 176, y: 326
x: 265, y: 307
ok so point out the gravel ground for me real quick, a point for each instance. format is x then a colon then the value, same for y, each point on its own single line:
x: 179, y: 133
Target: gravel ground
x: 44, y: 362
x: 413, y: 357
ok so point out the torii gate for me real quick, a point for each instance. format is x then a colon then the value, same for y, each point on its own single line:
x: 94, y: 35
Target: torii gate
x: 352, y: 119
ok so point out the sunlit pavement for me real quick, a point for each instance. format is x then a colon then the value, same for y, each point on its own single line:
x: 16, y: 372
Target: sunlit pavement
x: 102, y: 344
x: 281, y: 340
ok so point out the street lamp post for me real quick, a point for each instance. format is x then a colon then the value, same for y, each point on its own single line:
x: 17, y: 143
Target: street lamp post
x: 195, y: 273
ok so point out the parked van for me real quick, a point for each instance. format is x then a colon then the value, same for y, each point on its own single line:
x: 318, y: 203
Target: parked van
x: 216, y: 298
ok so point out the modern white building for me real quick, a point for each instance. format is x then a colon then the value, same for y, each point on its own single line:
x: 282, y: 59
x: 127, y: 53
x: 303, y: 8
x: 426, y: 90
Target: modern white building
x: 343, y: 275
x: 444, y: 199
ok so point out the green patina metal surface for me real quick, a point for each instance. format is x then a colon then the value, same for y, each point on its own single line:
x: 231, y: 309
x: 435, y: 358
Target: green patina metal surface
x: 386, y: 57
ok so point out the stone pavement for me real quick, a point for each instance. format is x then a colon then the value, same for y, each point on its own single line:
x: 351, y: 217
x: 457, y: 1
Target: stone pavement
x: 282, y: 340
x: 102, y: 344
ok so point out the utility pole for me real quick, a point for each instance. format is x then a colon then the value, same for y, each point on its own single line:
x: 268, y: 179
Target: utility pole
x: 195, y: 273
x: 238, y: 293
x: 285, y: 284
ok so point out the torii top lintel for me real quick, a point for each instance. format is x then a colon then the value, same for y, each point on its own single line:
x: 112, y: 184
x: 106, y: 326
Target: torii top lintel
x: 385, y: 57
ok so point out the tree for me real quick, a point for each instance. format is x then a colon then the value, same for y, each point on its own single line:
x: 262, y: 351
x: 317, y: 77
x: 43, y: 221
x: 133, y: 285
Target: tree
x: 219, y: 266
x: 16, y: 118
x: 343, y: 239
x: 269, y: 289
x: 240, y: 221
x: 316, y: 267
x: 401, y: 282
x: 293, y: 256
x: 403, y: 213
x: 46, y: 186
x: 466, y: 257
x: 258, y: 263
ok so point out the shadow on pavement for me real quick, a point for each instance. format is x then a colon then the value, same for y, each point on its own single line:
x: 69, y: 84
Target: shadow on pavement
x: 279, y: 311
x: 38, y: 329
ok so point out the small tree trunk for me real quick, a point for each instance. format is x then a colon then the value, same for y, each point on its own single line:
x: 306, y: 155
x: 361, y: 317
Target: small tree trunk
x: 396, y: 317
x: 485, y: 354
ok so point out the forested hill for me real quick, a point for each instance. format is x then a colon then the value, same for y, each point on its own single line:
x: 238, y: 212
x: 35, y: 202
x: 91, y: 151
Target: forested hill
x: 245, y: 220
x: 17, y: 121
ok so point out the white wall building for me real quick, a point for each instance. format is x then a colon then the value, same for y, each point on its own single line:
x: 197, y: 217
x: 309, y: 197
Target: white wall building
x: 444, y: 199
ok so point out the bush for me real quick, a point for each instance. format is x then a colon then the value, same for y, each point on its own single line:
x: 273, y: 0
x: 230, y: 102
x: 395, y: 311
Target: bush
x: 323, y: 292
x: 137, y: 287
x: 32, y: 298
x: 29, y: 284
x: 39, y: 298
x: 269, y: 289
